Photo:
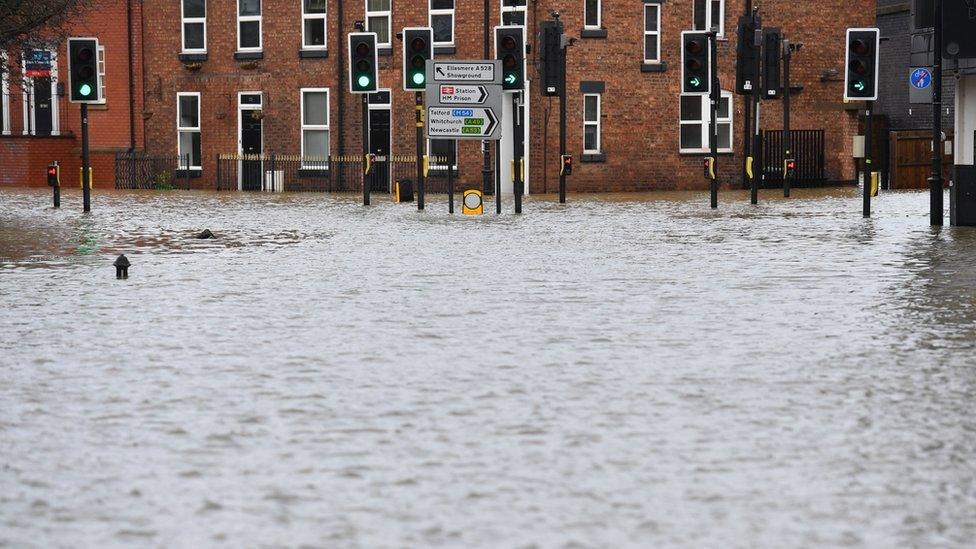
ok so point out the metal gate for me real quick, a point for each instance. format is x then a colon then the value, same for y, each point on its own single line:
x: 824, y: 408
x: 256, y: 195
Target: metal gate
x: 808, y: 151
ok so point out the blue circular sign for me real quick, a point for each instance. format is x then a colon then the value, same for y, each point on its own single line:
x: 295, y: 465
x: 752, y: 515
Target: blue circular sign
x: 921, y: 78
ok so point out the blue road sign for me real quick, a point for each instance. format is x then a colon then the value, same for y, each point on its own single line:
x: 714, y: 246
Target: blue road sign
x: 921, y: 78
x: 462, y: 112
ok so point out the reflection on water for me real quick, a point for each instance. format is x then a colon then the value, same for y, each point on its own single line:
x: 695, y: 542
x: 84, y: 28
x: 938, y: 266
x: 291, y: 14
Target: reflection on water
x: 627, y: 370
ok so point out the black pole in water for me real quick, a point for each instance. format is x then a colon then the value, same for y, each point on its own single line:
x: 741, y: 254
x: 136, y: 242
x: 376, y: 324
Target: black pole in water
x: 787, y: 137
x: 419, y: 106
x: 517, y: 150
x: 562, y: 120
x: 716, y: 95
x: 935, y: 181
x: 366, y: 167
x: 451, y: 159
x: 868, y: 166
x: 85, y: 160
x: 756, y: 107
x: 121, y: 265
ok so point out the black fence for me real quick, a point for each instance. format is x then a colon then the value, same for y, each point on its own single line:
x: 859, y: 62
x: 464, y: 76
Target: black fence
x: 808, y: 151
x: 138, y: 170
x: 290, y: 173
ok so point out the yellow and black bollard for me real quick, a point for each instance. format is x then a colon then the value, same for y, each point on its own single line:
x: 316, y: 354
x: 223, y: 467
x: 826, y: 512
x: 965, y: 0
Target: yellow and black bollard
x: 473, y: 203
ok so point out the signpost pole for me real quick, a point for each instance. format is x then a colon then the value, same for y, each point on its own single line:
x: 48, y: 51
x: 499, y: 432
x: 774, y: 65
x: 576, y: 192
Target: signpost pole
x: 451, y: 159
x: 366, y: 176
x: 85, y: 160
x: 517, y: 150
x: 419, y: 100
x: 787, y: 137
x: 757, y: 160
x: 562, y: 121
x: 868, y: 167
x: 486, y: 173
x: 935, y: 181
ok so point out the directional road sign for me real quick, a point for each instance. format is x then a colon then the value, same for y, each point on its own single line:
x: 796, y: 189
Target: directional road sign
x: 460, y: 94
x: 488, y: 72
x: 462, y: 123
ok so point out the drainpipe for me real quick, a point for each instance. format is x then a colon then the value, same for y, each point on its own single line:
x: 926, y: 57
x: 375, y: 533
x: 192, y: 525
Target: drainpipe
x: 340, y: 77
x: 132, y: 82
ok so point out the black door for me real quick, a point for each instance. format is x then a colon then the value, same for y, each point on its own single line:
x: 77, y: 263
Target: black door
x: 250, y: 145
x: 43, y: 117
x: 379, y: 144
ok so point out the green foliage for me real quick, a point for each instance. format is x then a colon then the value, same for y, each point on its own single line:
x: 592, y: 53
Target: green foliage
x: 163, y: 182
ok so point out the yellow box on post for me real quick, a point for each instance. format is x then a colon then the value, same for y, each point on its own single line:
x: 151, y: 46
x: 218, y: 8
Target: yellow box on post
x: 473, y: 203
x: 875, y: 178
x: 81, y: 178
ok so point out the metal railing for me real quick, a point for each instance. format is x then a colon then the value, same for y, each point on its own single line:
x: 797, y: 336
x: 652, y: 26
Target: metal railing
x: 808, y: 151
x: 343, y: 173
x: 139, y: 170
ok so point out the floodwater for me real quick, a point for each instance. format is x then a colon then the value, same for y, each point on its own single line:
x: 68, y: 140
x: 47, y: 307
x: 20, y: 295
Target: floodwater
x: 625, y: 370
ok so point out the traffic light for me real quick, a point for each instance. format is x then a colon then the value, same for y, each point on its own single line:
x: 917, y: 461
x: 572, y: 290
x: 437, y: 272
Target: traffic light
x: 418, y: 47
x: 772, y: 57
x: 789, y: 168
x: 83, y: 70
x: 861, y: 81
x: 695, y: 66
x: 551, y: 57
x: 510, y: 49
x: 363, y: 61
x: 958, y: 38
x: 53, y: 175
x: 746, y: 52
x: 566, y: 164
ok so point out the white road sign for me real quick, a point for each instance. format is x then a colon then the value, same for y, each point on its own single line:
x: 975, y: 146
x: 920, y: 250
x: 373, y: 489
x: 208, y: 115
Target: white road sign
x: 464, y: 71
x: 462, y: 123
x: 459, y: 94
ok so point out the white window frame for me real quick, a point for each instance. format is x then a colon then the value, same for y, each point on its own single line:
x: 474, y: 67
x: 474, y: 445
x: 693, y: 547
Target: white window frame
x: 249, y: 18
x: 436, y: 166
x: 101, y: 75
x: 189, y: 20
x: 708, y: 17
x: 513, y: 9
x: 599, y: 16
x: 431, y: 12
x: 598, y: 123
x: 705, y: 124
x: 388, y: 14
x: 311, y: 17
x: 315, y: 127
x: 657, y: 33
x: 182, y: 129
x: 27, y: 85
x: 4, y: 96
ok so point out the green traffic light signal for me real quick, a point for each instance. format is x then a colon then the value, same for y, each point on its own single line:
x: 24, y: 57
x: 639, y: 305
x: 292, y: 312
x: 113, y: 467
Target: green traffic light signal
x: 859, y: 85
x: 694, y: 82
x: 85, y: 90
x: 511, y: 78
x: 418, y: 78
x: 363, y: 81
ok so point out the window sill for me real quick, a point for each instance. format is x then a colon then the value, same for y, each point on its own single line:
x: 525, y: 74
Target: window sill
x: 699, y: 152
x: 313, y: 54
x: 384, y: 51
x: 194, y: 173
x: 441, y: 172
x: 593, y: 33
x: 593, y: 157
x: 248, y: 55
x: 192, y: 57
x: 445, y: 50
x: 313, y: 172
x: 654, y: 67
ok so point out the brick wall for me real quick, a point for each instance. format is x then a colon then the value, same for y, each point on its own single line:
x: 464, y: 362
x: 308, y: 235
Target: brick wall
x: 640, y: 110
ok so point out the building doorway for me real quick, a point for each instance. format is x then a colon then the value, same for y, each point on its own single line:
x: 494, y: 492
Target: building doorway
x: 380, y: 139
x: 250, y: 141
x: 42, y: 106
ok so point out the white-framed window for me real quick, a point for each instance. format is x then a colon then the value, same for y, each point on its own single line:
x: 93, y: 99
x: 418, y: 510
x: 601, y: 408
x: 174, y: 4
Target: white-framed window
x: 513, y: 12
x: 442, y: 152
x: 708, y: 14
x: 188, y: 128
x: 194, y: 28
x: 652, y: 33
x: 441, y: 19
x: 591, y: 123
x: 248, y: 25
x: 4, y: 96
x: 695, y: 123
x: 101, y: 75
x: 378, y: 20
x: 592, y: 14
x: 314, y: 27
x: 315, y: 127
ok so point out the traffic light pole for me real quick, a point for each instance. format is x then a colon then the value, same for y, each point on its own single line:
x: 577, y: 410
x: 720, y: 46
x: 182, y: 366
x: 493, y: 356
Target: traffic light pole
x: 562, y: 122
x: 517, y: 150
x: 486, y: 173
x: 85, y: 160
x: 366, y: 176
x: 935, y: 181
x: 419, y: 101
x: 756, y: 108
x: 716, y: 95
x: 868, y: 167
x: 787, y: 137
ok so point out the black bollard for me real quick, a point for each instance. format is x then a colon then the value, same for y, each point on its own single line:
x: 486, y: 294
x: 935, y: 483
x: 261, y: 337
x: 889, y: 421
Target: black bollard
x: 121, y: 267
x: 205, y: 234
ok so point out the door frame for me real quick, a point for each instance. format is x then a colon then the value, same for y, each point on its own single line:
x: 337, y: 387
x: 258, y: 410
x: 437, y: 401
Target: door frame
x: 240, y: 138
x: 30, y: 127
x: 389, y: 108
x: 4, y: 97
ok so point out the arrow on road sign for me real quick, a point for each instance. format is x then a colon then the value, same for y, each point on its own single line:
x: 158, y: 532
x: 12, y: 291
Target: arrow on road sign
x: 464, y: 123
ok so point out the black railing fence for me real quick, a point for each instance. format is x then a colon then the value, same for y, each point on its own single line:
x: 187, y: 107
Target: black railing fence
x: 292, y: 173
x: 138, y: 170
x: 808, y: 151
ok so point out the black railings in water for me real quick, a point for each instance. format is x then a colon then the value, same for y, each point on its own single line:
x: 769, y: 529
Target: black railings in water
x: 808, y: 151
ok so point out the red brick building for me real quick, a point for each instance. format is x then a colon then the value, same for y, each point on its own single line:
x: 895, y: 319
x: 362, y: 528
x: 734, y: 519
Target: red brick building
x: 246, y: 76
x: 38, y: 123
